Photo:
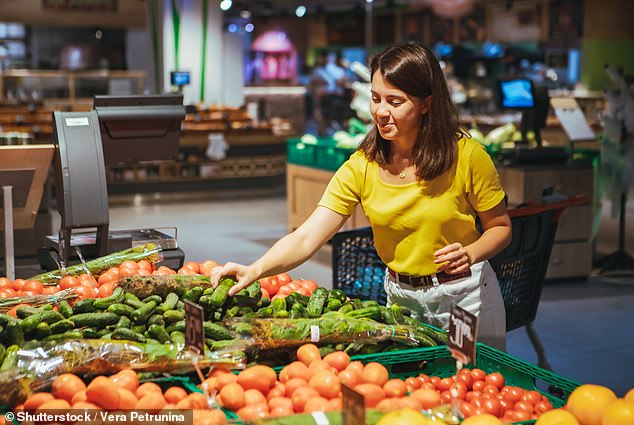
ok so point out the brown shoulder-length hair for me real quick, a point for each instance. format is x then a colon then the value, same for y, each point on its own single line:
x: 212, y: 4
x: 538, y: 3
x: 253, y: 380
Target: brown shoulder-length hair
x: 413, y: 68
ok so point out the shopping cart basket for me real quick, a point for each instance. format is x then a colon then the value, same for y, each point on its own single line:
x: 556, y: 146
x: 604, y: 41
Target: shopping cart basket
x: 520, y: 268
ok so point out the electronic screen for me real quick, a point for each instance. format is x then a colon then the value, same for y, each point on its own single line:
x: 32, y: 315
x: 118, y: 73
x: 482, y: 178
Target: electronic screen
x: 179, y: 78
x: 517, y: 94
x: 139, y: 127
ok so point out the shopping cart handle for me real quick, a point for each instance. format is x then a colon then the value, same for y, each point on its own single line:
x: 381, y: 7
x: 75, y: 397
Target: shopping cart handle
x: 536, y: 207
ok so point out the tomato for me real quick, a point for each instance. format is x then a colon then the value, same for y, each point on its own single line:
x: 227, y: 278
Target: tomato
x: 478, y: 374
x: 50, y: 290
x: 284, y: 278
x: 465, y: 377
x: 18, y: 284
x: 285, y: 291
x: 467, y: 409
x: 496, y: 379
x: 294, y: 285
x: 265, y: 293
x: 444, y: 384
x: 532, y: 397
x: 458, y: 390
x: 478, y: 385
x: 493, y: 406
x: 472, y: 395
x: 275, y: 285
x: 543, y: 407
x: 491, y: 390
x: 195, y: 267
x: 5, y: 283
x: 85, y: 292
x: 303, y: 291
x: 513, y: 395
x: 145, y: 265
x: 105, y: 290
x: 7, y: 293
x: 311, y: 285
x: 265, y: 283
x: 523, y: 405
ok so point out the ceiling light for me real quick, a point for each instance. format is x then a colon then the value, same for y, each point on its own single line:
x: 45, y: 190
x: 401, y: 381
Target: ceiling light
x: 232, y: 28
x: 225, y: 4
x: 245, y: 14
x: 249, y: 27
x: 300, y: 11
x: 369, y: 1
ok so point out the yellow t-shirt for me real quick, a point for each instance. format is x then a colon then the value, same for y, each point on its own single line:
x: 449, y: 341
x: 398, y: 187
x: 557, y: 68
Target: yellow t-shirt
x: 412, y: 221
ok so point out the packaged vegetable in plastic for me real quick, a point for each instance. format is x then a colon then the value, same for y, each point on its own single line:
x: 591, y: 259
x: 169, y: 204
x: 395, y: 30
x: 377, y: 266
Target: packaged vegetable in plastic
x: 148, y: 252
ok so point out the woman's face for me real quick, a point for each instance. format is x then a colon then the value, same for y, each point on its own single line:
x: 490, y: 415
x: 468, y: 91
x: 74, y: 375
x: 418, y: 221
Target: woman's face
x: 397, y: 114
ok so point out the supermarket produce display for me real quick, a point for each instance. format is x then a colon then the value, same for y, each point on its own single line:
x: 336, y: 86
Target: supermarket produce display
x: 110, y: 336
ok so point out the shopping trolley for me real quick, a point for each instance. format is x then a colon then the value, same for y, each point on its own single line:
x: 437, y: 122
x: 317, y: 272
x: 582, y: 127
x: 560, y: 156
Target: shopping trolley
x: 520, y: 267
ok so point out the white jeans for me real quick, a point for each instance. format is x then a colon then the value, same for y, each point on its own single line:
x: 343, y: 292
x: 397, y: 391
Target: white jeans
x: 479, y: 294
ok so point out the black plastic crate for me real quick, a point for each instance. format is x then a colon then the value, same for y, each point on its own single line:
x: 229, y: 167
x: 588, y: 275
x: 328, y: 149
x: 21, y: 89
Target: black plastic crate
x: 356, y: 267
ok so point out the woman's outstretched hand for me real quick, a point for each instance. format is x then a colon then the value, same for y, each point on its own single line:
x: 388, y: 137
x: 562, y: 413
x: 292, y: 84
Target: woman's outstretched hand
x: 244, y: 276
x: 452, y: 259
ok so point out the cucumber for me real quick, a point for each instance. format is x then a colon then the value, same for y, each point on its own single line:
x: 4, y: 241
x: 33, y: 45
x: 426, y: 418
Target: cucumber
x: 345, y: 308
x: 159, y: 333
x: 222, y: 292
x: 373, y: 313
x: 232, y: 312
x: 139, y: 329
x: 156, y: 298
x: 169, y: 304
x: 6, y: 319
x: 156, y: 319
x: 127, y: 334
x: 332, y: 305
x: 397, y: 313
x: 94, y: 320
x: 172, y: 316
x: 279, y: 305
x: 264, y: 302
x: 30, y: 323
x: 216, y: 331
x: 106, y: 336
x: 62, y: 326
x: 255, y: 290
x: 193, y: 294
x: 62, y: 337
x: 298, y: 311
x: 356, y: 303
x: 296, y: 297
x: 10, y: 360
x: 84, y: 306
x: 117, y: 297
x: 124, y: 322
x: 2, y: 353
x: 121, y: 309
x: 369, y: 303
x: 101, y: 332
x: 209, y: 291
x: 265, y: 312
x: 13, y: 333
x: 133, y: 301
x: 25, y: 311
x: 224, y: 344
x: 141, y: 315
x: 90, y: 333
x: 42, y: 330
x: 337, y: 294
x: 207, y: 303
x: 176, y: 326
x: 317, y: 302
x: 177, y: 338
x: 65, y: 309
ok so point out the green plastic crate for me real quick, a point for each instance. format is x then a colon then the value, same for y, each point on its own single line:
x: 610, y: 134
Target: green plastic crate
x: 324, y: 154
x: 438, y: 361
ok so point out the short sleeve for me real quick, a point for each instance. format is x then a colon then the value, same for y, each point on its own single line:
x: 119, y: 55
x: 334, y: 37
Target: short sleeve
x: 484, y: 189
x: 343, y: 191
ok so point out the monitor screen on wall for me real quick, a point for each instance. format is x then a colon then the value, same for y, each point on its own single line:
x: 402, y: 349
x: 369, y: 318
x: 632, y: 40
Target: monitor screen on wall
x: 517, y: 93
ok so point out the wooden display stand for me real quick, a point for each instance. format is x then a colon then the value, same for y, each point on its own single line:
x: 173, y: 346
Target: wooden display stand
x: 304, y: 188
x: 23, y: 172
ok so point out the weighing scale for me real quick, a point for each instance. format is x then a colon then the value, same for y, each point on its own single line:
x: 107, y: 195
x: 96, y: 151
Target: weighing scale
x: 120, y: 128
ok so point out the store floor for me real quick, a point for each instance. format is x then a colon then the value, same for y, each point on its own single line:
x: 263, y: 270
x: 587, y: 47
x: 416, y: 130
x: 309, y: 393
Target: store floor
x: 586, y: 326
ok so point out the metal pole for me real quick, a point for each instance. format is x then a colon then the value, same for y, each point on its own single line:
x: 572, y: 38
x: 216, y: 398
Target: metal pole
x: 8, y: 232
x: 368, y: 27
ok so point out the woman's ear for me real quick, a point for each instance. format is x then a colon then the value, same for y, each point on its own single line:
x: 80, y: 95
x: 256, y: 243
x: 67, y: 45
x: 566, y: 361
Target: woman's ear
x: 426, y: 105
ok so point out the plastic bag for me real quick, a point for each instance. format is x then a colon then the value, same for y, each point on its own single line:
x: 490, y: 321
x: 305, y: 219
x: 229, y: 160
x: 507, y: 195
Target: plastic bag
x: 330, y: 328
x: 7, y: 304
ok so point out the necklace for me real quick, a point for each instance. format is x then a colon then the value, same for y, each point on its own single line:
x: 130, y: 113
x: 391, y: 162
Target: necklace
x: 402, y: 175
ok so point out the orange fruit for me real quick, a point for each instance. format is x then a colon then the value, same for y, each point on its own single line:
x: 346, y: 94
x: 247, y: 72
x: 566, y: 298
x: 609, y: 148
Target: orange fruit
x: 629, y: 396
x: 278, y: 390
x: 395, y: 388
x: 127, y: 399
x: 209, y: 417
x: 232, y: 396
x: 84, y: 405
x: 388, y: 404
x: 372, y: 393
x: 253, y: 411
x: 152, y: 401
x: 326, y: 383
x: 56, y: 404
x: 198, y: 400
x: 147, y: 387
x: 295, y: 369
x: 482, y: 419
x: 350, y: 377
x: 317, y: 404
x: 79, y: 396
x: 588, y: 403
x: 557, y: 417
x: 339, y: 360
x: 224, y: 379
x: 301, y: 396
x: 375, y: 373
x: 66, y: 385
x: 293, y: 385
x: 174, y: 394
x: 308, y: 353
x: 619, y: 412
x: 254, y: 396
x: 284, y: 402
x: 103, y: 392
x: 36, y: 400
x: 257, y: 377
x: 429, y: 398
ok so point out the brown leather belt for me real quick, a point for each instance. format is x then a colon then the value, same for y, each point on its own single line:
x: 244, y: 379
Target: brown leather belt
x: 426, y: 281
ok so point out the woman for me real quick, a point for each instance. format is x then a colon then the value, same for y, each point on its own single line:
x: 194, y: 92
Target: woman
x: 421, y: 183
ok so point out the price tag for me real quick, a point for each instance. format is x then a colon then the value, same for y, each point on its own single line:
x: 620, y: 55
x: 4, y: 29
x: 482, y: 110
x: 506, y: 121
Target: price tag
x: 463, y: 327
x: 353, y: 407
x: 314, y: 333
x: 194, y: 332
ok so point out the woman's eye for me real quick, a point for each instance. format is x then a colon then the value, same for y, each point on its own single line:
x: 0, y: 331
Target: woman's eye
x: 376, y: 100
x: 396, y: 102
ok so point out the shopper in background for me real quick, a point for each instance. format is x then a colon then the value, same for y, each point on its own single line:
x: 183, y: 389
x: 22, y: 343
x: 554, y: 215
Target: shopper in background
x: 422, y: 183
